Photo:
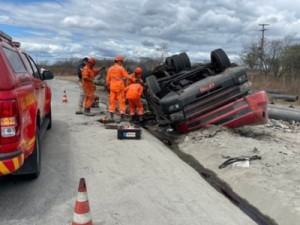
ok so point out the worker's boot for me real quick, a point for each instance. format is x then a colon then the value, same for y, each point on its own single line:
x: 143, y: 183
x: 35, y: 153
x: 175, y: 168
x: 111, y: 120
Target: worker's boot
x: 87, y: 112
x: 79, y: 112
x: 141, y: 119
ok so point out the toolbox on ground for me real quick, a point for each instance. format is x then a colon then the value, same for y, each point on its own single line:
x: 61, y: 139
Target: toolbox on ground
x: 129, y: 132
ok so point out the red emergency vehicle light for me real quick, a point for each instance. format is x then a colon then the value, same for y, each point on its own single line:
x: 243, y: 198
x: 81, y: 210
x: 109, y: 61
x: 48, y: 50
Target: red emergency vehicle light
x: 9, y: 121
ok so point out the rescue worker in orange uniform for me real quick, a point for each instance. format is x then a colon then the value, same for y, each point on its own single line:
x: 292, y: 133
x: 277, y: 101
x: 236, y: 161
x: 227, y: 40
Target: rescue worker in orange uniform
x: 81, y: 95
x: 115, y: 79
x: 134, y: 92
x: 89, y: 85
x: 136, y: 75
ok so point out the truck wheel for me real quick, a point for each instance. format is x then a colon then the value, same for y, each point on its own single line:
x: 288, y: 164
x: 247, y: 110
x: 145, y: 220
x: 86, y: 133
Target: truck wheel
x: 219, y: 59
x: 153, y: 84
x: 186, y: 60
x: 50, y: 120
x: 168, y: 61
x: 33, y: 162
x: 177, y: 63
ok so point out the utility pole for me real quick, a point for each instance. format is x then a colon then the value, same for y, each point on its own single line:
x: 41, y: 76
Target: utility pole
x: 262, y: 42
x: 263, y: 34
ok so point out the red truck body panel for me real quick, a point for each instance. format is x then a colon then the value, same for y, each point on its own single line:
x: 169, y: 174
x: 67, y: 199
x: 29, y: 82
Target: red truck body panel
x: 250, y: 110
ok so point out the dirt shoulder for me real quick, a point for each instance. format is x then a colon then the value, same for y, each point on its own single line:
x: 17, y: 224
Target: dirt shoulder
x: 271, y: 184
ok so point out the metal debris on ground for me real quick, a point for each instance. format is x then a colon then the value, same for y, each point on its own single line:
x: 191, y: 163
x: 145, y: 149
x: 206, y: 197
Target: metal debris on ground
x: 238, y: 159
x: 106, y: 120
x: 285, y: 126
x: 112, y: 126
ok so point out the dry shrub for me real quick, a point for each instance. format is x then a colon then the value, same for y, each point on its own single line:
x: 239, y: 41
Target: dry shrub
x: 285, y: 84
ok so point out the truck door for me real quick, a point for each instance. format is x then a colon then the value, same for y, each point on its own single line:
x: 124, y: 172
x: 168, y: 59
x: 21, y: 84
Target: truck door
x: 38, y: 84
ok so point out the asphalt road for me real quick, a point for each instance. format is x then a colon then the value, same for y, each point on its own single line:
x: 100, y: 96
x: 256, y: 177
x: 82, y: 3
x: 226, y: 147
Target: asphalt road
x: 128, y: 181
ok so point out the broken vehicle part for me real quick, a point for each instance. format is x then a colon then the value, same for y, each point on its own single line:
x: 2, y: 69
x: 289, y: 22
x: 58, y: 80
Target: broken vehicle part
x: 238, y: 159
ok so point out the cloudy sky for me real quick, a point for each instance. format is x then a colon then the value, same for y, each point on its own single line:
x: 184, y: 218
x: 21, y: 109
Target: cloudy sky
x: 58, y: 29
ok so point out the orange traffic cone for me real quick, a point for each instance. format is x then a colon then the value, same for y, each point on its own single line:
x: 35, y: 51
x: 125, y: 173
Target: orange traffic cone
x: 65, y: 99
x: 82, y: 214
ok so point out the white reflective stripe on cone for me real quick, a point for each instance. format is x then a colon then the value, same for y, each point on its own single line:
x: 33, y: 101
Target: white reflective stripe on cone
x: 82, y: 218
x: 82, y: 197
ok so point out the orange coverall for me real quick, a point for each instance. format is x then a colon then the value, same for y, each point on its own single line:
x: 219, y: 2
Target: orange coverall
x: 134, y: 92
x: 88, y: 86
x: 115, y: 81
x: 133, y: 78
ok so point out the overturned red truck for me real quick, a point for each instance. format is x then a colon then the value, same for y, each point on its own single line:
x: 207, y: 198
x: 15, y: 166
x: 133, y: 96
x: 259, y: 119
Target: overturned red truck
x: 190, y: 97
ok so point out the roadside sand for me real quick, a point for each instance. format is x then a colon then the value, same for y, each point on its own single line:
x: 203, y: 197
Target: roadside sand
x: 271, y: 184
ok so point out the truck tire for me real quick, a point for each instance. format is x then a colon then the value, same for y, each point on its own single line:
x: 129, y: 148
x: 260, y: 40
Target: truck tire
x: 177, y: 63
x: 50, y: 120
x: 168, y: 61
x: 32, y: 164
x: 186, y: 60
x: 153, y: 84
x: 35, y: 157
x: 219, y: 59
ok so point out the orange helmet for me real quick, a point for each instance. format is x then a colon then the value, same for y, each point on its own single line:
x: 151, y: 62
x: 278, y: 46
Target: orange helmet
x: 138, y: 71
x: 92, y: 60
x: 119, y: 58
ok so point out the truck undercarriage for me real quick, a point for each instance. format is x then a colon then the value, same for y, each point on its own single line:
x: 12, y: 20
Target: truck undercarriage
x: 189, y: 97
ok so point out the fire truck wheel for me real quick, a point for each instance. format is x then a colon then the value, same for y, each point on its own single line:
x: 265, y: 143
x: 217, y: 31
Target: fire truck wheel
x: 35, y: 158
x: 50, y: 120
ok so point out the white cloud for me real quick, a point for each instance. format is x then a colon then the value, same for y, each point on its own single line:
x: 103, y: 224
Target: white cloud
x: 133, y: 28
x: 4, y: 19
